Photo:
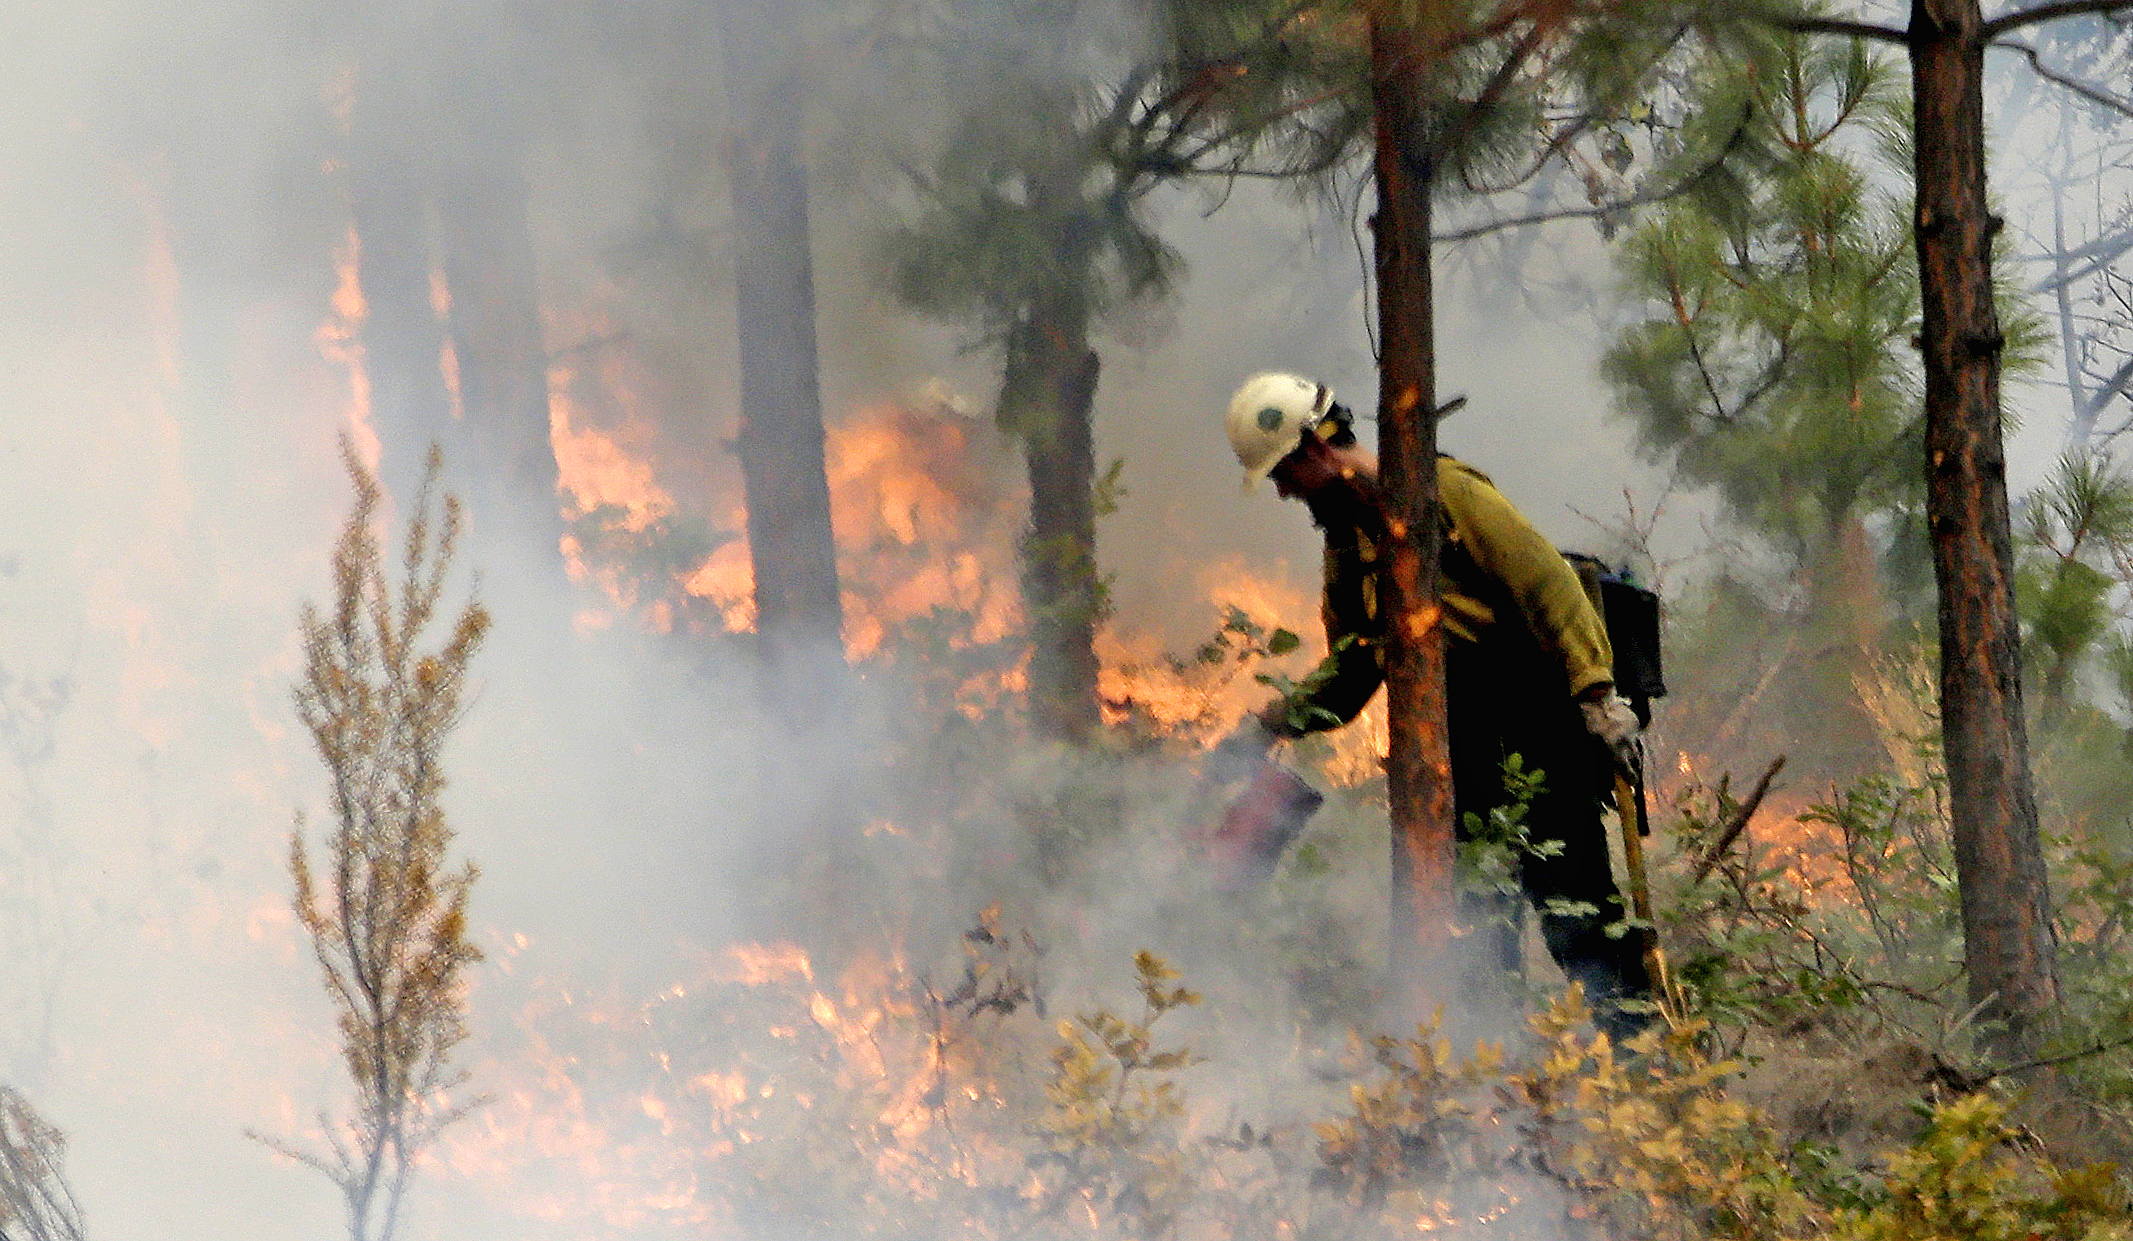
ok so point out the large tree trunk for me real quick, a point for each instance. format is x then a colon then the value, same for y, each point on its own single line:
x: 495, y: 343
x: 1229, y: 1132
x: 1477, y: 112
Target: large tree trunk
x: 491, y: 273
x: 1418, y: 768
x: 1047, y: 399
x: 2007, y: 931
x: 799, y: 613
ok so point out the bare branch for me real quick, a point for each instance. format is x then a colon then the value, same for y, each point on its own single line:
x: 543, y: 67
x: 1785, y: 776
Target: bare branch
x: 1641, y: 198
x: 1998, y: 26
x: 1737, y: 823
x: 2109, y: 388
x: 2101, y: 98
x: 1836, y: 26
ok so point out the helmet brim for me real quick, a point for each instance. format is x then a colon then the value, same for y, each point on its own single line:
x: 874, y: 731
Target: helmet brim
x: 1256, y: 472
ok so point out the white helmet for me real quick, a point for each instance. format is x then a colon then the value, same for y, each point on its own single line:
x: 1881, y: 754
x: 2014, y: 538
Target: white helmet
x: 1269, y: 416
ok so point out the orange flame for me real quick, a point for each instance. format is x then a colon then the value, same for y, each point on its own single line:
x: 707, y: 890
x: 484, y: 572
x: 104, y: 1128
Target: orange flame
x: 666, y: 1112
x: 340, y: 340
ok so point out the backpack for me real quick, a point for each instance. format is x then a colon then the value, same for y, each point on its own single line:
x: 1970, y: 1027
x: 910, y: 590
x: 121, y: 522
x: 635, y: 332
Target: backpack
x: 1631, y: 614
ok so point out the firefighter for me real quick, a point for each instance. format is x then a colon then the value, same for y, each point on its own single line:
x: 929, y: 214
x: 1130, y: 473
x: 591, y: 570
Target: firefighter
x: 1527, y: 672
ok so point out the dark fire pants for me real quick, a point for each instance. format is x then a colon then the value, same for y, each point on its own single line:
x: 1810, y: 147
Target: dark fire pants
x: 1502, y: 703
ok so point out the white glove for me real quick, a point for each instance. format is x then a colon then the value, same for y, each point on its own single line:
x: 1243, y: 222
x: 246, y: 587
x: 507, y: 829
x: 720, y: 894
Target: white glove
x: 1613, y: 721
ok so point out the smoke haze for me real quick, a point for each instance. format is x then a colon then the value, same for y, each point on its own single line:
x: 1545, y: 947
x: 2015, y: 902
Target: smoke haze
x: 175, y: 213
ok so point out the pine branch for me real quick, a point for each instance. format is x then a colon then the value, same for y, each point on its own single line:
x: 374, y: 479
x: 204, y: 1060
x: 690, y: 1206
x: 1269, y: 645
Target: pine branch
x: 2053, y: 1062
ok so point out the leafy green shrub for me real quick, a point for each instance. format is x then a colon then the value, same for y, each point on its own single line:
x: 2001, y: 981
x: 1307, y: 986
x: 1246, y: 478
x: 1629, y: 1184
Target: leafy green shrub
x: 1963, y: 1179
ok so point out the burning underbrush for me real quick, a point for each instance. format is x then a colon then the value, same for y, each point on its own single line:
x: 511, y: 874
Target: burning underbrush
x: 763, y: 1099
x: 1821, y: 937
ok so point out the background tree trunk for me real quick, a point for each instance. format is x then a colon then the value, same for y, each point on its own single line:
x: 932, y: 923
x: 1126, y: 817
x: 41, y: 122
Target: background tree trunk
x: 403, y: 341
x: 1418, y: 767
x: 2006, y: 903
x: 1047, y: 398
x: 799, y: 612
x: 493, y: 277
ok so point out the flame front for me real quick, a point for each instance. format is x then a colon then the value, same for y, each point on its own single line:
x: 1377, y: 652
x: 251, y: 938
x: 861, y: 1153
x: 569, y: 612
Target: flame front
x: 747, y: 1093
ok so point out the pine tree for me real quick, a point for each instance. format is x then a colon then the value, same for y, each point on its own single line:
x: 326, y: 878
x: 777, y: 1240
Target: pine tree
x: 2006, y: 898
x: 1775, y: 366
x: 791, y: 546
x: 1030, y: 235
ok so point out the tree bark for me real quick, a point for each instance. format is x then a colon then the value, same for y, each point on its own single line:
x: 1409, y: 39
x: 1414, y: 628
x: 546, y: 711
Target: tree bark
x: 799, y: 611
x: 2007, y: 932
x: 1418, y: 767
x: 1047, y: 399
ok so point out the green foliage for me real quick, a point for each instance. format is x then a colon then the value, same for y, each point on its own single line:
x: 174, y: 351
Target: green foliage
x: 1021, y: 214
x: 1775, y: 364
x: 1498, y: 843
x: 1110, y: 490
x: 1245, y: 642
x: 1184, y: 696
x: 2076, y: 557
x: 1296, y: 695
x: 387, y: 918
x: 1076, y: 590
x: 1850, y: 932
x: 2092, y: 881
x: 1850, y: 935
x: 1545, y: 101
x: 1962, y: 1180
x: 1257, y: 86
